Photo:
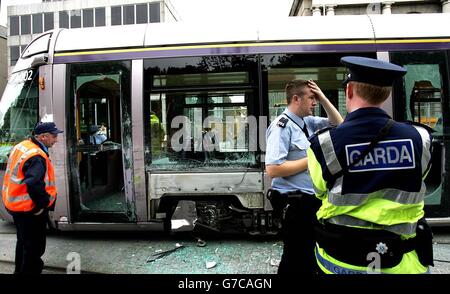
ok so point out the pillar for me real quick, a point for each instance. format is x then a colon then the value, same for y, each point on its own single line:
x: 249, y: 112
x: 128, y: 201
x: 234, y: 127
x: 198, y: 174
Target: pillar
x: 386, y: 8
x: 316, y: 11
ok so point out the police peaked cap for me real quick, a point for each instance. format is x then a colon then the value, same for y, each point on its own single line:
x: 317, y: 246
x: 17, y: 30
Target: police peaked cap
x: 372, y: 71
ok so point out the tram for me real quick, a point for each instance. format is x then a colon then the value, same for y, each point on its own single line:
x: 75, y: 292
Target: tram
x: 185, y: 106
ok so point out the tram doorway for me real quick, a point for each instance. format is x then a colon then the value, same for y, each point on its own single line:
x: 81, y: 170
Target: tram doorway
x: 99, y: 192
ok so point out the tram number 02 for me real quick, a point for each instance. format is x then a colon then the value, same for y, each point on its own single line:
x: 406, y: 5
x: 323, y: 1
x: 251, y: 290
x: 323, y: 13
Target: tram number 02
x: 28, y: 75
x: 24, y: 76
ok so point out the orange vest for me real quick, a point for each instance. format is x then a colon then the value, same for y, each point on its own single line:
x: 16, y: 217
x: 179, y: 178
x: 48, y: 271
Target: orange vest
x: 14, y: 192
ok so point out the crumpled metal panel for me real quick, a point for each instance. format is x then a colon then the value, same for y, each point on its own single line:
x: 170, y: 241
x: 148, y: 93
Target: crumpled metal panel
x: 204, y: 183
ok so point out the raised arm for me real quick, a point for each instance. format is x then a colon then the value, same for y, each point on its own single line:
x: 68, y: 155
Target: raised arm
x: 333, y: 114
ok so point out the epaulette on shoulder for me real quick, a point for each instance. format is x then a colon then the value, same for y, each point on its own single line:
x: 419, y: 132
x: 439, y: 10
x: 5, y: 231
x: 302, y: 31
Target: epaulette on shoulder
x: 282, y: 122
x: 410, y: 122
x: 323, y: 130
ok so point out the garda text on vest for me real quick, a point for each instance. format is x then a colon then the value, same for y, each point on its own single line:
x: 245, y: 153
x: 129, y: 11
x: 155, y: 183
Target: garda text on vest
x: 386, y: 155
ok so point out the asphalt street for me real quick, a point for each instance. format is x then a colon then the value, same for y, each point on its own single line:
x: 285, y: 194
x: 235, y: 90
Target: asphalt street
x: 150, y: 253
x: 140, y: 253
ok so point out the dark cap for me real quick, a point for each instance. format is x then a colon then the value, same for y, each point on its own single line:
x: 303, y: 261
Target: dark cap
x: 93, y: 129
x: 372, y: 71
x: 46, y: 127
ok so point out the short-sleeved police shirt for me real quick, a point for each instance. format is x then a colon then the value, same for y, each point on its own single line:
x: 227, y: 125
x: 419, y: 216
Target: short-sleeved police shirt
x: 290, y: 143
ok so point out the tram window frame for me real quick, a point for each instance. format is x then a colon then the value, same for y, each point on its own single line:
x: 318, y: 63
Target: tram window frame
x: 201, y: 76
x: 119, y: 130
x: 401, y: 106
x: 28, y: 95
x: 302, y: 66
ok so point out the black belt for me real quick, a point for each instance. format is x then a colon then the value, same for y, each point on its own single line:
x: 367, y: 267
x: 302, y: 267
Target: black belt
x: 296, y: 194
x: 352, y: 245
x: 272, y: 193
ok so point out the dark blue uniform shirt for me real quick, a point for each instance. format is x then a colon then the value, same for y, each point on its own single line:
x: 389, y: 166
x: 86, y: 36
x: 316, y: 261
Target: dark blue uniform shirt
x: 395, y: 162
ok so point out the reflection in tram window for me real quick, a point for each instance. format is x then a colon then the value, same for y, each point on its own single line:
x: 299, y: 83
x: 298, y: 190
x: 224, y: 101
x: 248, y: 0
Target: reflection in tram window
x: 425, y: 104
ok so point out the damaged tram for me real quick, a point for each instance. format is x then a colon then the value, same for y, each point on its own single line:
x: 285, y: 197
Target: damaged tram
x: 183, y: 109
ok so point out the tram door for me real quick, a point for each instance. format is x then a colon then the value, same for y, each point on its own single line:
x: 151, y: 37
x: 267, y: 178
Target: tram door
x: 100, y: 165
x: 427, y: 102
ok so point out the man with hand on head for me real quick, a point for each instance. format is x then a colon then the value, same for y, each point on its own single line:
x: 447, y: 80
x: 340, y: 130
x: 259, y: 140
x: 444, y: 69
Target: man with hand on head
x: 292, y: 191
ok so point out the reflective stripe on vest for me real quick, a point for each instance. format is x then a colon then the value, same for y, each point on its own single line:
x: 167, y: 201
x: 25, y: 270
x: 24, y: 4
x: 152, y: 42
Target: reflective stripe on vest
x: 426, y: 154
x: 334, y: 268
x: 403, y: 197
x: 400, y: 197
x: 328, y: 152
x: 338, y: 269
x: 335, y: 196
x: 24, y: 197
x: 347, y: 220
x: 14, y: 192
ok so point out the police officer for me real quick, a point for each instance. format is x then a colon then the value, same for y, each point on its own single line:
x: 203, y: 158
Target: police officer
x: 369, y: 173
x: 157, y: 135
x: 29, y: 191
x: 287, y: 142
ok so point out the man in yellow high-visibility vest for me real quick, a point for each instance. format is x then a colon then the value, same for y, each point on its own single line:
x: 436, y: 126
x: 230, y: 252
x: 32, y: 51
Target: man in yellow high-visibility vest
x: 369, y: 173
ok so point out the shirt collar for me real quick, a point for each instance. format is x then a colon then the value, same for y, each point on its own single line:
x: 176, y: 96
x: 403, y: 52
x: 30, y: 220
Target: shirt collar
x: 366, y: 111
x: 297, y: 119
x: 43, y: 147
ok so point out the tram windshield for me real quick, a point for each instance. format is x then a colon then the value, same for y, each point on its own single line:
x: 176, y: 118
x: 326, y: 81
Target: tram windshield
x: 18, y: 110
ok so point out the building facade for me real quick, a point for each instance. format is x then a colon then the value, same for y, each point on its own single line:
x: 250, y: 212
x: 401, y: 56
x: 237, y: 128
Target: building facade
x: 3, y: 59
x: 356, y: 7
x: 25, y: 22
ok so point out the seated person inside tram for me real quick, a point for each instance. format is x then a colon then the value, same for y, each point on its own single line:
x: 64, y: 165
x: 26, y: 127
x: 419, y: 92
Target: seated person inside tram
x: 95, y: 136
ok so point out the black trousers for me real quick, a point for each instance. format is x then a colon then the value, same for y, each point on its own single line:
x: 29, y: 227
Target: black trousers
x: 31, y: 241
x: 299, y: 236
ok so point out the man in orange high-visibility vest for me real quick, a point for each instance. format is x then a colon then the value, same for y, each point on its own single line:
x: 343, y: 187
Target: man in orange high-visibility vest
x: 29, y: 192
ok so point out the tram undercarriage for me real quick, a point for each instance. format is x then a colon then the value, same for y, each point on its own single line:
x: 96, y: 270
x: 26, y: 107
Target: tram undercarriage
x: 217, y: 215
